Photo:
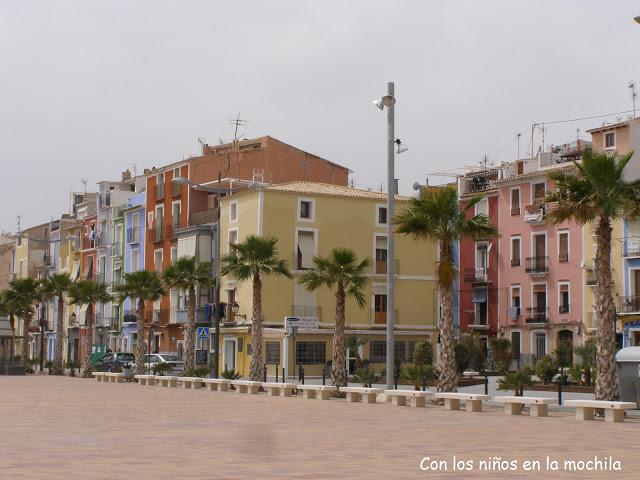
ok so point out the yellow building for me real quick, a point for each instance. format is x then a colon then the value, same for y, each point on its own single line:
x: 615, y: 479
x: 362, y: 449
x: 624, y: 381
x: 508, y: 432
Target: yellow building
x: 310, y: 219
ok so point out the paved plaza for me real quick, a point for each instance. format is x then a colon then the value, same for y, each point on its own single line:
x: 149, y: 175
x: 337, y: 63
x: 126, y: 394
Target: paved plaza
x: 67, y: 428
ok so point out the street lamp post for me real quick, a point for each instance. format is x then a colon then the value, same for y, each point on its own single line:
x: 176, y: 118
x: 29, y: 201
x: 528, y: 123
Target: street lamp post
x: 389, y: 101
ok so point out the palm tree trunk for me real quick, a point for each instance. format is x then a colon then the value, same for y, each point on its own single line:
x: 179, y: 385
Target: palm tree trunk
x: 255, y: 372
x: 58, y: 367
x: 190, y: 333
x: 140, y: 346
x: 25, y: 341
x: 447, y: 368
x: 87, y: 366
x: 338, y: 367
x: 607, y: 379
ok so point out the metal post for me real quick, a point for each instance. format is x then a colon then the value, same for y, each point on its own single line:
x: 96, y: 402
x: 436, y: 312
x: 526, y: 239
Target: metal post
x: 559, y: 392
x: 486, y: 385
x: 284, y: 380
x: 391, y: 187
x: 264, y: 375
x: 277, y: 374
x: 42, y: 320
x: 216, y: 291
x: 324, y: 375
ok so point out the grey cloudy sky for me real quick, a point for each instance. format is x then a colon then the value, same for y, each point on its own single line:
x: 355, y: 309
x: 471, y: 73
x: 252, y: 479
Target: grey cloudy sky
x: 89, y: 88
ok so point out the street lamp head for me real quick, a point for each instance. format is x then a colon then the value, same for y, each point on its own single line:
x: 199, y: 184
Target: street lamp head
x: 181, y: 181
x: 379, y: 103
x: 235, y: 308
x: 637, y: 19
x: 386, y: 101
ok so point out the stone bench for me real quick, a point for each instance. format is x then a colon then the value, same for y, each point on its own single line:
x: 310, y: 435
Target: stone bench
x: 470, y: 373
x: 100, y: 376
x: 168, y: 381
x: 279, y: 389
x: 191, y: 382
x: 366, y: 394
x: 217, y: 384
x: 321, y: 392
x: 613, y: 411
x: 147, y: 380
x: 399, y: 397
x: 113, y: 377
x: 246, y: 386
x: 538, y: 406
x: 473, y: 401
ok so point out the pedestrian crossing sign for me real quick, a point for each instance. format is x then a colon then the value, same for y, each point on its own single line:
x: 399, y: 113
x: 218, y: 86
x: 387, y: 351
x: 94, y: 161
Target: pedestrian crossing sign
x: 203, y: 332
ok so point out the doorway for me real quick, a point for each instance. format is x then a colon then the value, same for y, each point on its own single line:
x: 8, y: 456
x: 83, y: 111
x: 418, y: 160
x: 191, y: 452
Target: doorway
x: 229, y: 354
x: 540, y: 345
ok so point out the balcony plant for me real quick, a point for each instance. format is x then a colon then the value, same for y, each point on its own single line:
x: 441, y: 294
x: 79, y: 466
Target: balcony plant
x: 437, y: 216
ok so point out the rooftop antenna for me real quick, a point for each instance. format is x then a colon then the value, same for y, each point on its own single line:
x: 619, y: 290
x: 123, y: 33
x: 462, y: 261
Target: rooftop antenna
x: 577, y: 134
x: 542, y: 130
x: 84, y: 184
x: 518, y: 135
x: 19, y: 217
x: 632, y: 87
x: 237, y: 122
x: 135, y: 173
x: 202, y: 144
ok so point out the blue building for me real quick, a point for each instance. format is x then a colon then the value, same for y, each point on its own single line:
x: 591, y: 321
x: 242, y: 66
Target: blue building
x: 135, y: 231
x: 628, y: 307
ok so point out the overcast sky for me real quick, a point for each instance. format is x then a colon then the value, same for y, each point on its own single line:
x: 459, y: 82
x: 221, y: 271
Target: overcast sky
x: 90, y: 88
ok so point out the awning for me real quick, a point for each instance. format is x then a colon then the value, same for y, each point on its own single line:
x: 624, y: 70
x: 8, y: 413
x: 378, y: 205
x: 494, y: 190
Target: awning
x: 5, y: 328
x: 89, y: 272
x: 381, y: 243
x: 479, y: 295
x: 82, y: 316
x: 76, y: 271
x: 307, y: 248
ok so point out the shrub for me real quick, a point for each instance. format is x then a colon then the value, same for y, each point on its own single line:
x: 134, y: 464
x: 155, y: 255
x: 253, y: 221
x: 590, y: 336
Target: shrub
x: 477, y: 355
x: 564, y: 354
x: 462, y: 357
x: 516, y: 380
x: 587, y: 359
x: 423, y: 353
x: 162, y: 368
x: 546, y: 369
x: 48, y: 365
x: 230, y: 374
x: 501, y: 348
x: 366, y: 376
x: 200, y: 372
x: 419, y: 375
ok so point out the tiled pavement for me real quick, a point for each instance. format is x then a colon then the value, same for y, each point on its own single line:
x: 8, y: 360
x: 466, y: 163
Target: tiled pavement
x: 68, y: 428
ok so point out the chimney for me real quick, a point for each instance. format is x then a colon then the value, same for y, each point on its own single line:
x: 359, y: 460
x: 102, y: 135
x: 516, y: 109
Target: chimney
x: 126, y: 175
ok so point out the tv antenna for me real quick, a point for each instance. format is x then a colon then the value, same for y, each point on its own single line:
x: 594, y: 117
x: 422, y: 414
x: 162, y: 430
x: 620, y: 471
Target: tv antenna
x: 518, y: 135
x: 19, y: 217
x: 84, y: 184
x: 238, y: 122
x: 632, y: 87
x: 201, y: 141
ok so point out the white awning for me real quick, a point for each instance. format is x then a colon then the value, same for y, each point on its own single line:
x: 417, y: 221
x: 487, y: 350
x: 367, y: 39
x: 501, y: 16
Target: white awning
x: 306, y: 248
x: 76, y: 271
x: 187, y: 247
x: 381, y: 243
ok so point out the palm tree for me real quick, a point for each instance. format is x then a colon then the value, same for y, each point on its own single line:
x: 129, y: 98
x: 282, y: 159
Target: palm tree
x: 56, y: 286
x: 353, y: 343
x: 597, y: 192
x: 252, y: 259
x: 187, y: 274
x: 435, y: 215
x: 88, y: 292
x: 340, y: 269
x: 142, y: 286
x: 19, y: 301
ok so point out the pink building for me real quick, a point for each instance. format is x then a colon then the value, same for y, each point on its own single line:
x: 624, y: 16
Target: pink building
x: 540, y: 270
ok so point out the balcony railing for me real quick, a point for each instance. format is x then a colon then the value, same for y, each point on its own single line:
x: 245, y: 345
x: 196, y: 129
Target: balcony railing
x: 133, y: 235
x: 182, y: 315
x: 563, y: 257
x: 307, y: 311
x: 380, y: 318
x: 630, y: 304
x: 515, y: 211
x: 157, y: 234
x: 129, y: 316
x: 515, y: 262
x: 381, y: 267
x: 116, y: 249
x: 563, y: 309
x: 537, y: 265
x: 537, y: 315
x: 477, y: 320
x: 159, y: 192
x: 591, y: 279
x: 534, y: 213
x: 476, y: 275
x: 513, y: 314
x: 101, y: 277
x: 203, y: 217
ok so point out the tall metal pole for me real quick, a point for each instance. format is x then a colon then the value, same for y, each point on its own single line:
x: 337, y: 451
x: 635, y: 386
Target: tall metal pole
x: 216, y: 291
x: 391, y: 191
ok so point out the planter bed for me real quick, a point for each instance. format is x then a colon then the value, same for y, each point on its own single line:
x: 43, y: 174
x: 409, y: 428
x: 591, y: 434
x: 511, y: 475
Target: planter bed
x: 565, y: 388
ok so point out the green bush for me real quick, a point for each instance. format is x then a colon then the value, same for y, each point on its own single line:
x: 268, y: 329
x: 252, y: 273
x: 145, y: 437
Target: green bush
x: 501, y: 348
x: 546, y: 369
x: 564, y: 354
x: 419, y: 375
x: 477, y: 356
x: 462, y: 357
x: 423, y: 353
x: 230, y: 374
x: 366, y: 376
x: 162, y: 368
x: 200, y: 372
x: 587, y: 360
x: 516, y: 380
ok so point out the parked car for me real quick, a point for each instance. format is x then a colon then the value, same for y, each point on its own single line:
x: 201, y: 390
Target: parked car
x: 174, y: 361
x: 114, y: 361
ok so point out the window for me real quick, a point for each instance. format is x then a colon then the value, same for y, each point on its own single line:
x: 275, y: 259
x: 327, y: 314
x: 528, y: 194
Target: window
x: 157, y: 260
x: 514, y: 307
x: 515, y: 201
x: 515, y: 345
x: 233, y: 238
x: 515, y: 251
x: 399, y: 352
x: 482, y: 207
x: 610, y: 140
x: 539, y: 191
x: 176, y: 172
x: 378, y: 351
x: 563, y: 298
x: 134, y: 260
x: 380, y: 308
x: 175, y: 215
x: 310, y: 353
x: 381, y: 255
x: 306, y: 250
x: 563, y: 247
x: 150, y: 220
x: 381, y: 215
x: 482, y: 259
x: 174, y: 254
x: 233, y: 211
x: 273, y: 353
x: 306, y: 207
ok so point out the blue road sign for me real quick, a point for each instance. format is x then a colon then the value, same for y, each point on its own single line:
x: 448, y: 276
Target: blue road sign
x: 203, y: 332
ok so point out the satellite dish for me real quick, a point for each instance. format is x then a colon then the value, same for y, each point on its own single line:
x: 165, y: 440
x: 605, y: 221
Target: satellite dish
x: 416, y: 185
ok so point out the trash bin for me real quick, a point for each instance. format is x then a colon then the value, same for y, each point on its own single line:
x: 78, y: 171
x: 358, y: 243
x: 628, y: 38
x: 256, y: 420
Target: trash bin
x: 628, y: 360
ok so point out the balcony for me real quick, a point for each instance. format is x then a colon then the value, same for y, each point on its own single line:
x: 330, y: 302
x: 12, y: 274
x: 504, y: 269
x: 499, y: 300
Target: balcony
x: 129, y: 317
x: 203, y: 217
x: 476, y: 275
x: 563, y: 309
x: 115, y: 249
x: 477, y: 321
x: 133, y: 235
x: 182, y: 315
x: 158, y: 191
x: 534, y: 213
x: 563, y: 257
x: 515, y: 262
x: 537, y: 265
x: 631, y: 248
x: 380, y: 318
x: 515, y: 211
x: 630, y: 304
x: 156, y: 234
x: 513, y: 314
x: 104, y: 200
x: 537, y: 315
x: 381, y: 267
x: 306, y: 311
